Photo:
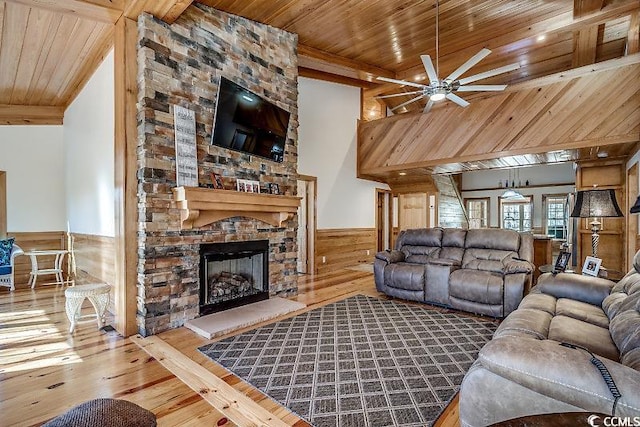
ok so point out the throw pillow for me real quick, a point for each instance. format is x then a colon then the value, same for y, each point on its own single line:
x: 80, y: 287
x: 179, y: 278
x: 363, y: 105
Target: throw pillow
x: 6, y: 247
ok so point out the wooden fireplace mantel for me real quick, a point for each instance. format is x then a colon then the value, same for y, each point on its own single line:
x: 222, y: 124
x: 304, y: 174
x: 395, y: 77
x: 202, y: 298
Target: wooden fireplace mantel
x: 202, y: 206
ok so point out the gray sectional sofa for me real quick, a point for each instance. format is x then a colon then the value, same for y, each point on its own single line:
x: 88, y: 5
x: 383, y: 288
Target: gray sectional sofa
x: 524, y: 370
x: 485, y: 271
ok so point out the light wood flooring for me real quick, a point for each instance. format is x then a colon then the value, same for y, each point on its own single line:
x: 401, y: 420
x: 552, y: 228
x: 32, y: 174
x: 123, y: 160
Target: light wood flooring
x: 44, y: 370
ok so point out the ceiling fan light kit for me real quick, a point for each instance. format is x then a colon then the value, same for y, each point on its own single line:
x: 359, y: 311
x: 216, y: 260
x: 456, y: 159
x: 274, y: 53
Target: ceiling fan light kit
x: 439, y: 89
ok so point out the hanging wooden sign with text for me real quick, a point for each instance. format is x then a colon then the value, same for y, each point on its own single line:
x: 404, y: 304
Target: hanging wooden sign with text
x: 186, y: 154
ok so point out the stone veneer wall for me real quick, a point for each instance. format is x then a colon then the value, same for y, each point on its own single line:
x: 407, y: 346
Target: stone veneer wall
x: 182, y: 64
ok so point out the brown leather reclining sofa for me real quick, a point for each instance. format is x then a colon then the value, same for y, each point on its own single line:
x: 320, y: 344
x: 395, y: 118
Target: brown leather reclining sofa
x: 485, y: 271
x: 524, y: 370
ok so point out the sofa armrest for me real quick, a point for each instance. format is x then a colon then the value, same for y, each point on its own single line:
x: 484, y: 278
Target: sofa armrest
x: 514, y: 266
x: 390, y: 256
x: 592, y: 290
x: 562, y: 373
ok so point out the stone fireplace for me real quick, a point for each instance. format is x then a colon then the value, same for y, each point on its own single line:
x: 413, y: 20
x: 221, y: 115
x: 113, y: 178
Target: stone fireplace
x: 233, y: 274
x: 181, y: 64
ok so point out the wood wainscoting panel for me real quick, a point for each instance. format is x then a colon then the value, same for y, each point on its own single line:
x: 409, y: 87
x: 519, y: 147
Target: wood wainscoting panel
x: 95, y: 258
x: 344, y: 247
x: 38, y: 240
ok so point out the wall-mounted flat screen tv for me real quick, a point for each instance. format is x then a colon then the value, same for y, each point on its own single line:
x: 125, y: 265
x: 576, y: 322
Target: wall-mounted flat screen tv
x: 248, y: 123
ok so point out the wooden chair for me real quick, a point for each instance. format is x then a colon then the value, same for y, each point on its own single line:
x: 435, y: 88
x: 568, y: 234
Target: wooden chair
x: 7, y: 271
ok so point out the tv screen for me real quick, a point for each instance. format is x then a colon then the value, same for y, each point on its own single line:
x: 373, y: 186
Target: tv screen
x: 246, y: 122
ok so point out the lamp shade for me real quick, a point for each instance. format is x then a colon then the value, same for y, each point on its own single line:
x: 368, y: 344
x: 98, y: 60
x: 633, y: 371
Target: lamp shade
x: 636, y: 206
x: 596, y: 203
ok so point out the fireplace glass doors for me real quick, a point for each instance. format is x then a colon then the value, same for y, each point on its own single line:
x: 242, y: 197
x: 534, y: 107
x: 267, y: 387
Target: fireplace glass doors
x: 233, y: 274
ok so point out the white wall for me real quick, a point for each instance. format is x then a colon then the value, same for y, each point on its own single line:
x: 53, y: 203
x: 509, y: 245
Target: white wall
x: 89, y: 155
x: 328, y: 115
x: 483, y: 181
x: 33, y: 157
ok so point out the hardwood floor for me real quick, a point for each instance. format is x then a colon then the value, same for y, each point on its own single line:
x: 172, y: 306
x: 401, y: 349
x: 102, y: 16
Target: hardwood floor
x: 44, y: 371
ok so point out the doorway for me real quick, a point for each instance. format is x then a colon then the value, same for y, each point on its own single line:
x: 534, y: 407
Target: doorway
x: 384, y: 216
x: 3, y: 204
x: 307, y: 224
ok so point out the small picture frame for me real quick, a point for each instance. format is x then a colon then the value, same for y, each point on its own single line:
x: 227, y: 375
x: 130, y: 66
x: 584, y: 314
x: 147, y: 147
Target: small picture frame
x: 248, y: 186
x: 274, y: 188
x: 591, y: 266
x: 562, y: 261
x: 216, y: 180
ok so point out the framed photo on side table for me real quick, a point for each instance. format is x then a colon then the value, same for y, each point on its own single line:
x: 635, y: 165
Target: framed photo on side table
x: 562, y: 261
x: 591, y: 266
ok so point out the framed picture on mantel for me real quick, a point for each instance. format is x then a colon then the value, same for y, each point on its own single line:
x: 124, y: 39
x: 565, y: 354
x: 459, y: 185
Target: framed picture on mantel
x: 216, y: 180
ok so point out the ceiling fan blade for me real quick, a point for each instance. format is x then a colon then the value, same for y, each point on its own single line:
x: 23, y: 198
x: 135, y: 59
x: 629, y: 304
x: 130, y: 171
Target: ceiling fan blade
x: 470, y: 63
x: 490, y: 73
x: 398, y: 94
x: 428, y: 106
x: 400, y: 82
x: 428, y: 66
x: 480, y: 88
x: 455, y: 98
x: 407, y: 102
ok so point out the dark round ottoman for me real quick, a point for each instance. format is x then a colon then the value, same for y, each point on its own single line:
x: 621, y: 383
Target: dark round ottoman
x: 105, y: 413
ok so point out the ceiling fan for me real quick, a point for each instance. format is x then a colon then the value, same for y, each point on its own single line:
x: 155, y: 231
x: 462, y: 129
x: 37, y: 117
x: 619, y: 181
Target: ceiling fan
x: 438, y: 89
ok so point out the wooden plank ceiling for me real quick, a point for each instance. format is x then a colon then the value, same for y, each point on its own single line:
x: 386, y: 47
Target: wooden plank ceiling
x: 595, y: 106
x: 49, y: 49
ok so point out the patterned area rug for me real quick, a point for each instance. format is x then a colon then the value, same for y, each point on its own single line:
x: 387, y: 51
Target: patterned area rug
x: 361, y: 361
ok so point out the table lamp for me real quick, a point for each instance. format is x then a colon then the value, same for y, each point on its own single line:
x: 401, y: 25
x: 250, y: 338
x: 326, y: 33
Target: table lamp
x: 596, y: 204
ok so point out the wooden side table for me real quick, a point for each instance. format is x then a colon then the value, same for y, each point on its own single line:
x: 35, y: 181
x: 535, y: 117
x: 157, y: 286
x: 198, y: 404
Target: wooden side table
x: 57, y: 265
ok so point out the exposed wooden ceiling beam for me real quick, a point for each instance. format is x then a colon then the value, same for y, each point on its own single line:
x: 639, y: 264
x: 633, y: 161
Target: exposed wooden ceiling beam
x: 633, y: 37
x: 316, y: 59
x: 107, y: 11
x: 585, y: 7
x: 585, y: 40
x: 555, y: 25
x: 585, y: 44
x: 336, y: 78
x: 30, y: 115
x: 167, y: 10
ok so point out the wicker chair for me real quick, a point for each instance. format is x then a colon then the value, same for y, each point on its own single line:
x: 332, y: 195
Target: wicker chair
x: 6, y: 271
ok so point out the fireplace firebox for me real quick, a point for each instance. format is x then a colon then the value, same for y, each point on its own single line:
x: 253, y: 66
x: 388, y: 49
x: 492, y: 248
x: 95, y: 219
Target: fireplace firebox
x: 233, y: 274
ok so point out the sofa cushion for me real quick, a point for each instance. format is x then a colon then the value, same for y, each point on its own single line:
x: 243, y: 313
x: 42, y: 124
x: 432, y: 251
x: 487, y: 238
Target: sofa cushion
x: 404, y: 275
x: 582, y: 311
x: 479, y: 286
x: 454, y: 237
x: 5, y: 269
x: 625, y: 331
x: 420, y: 254
x: 573, y: 331
x: 527, y: 322
x: 491, y: 238
x: 448, y: 252
x: 421, y: 237
x: 538, y: 301
x: 487, y: 259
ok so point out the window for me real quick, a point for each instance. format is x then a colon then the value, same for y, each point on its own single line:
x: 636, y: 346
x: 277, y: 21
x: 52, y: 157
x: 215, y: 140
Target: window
x: 555, y: 215
x: 516, y: 214
x: 478, y: 212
